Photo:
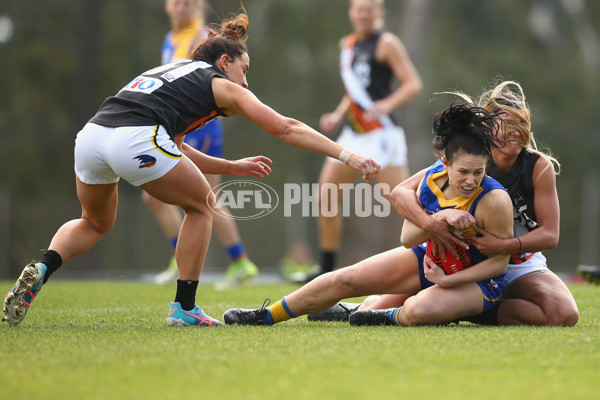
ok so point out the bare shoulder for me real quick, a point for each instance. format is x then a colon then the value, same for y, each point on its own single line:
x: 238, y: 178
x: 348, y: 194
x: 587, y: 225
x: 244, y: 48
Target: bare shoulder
x: 543, y: 167
x: 228, y: 95
x: 495, y: 199
x: 494, y: 213
x: 389, y: 41
x: 542, y: 163
x: 389, y: 48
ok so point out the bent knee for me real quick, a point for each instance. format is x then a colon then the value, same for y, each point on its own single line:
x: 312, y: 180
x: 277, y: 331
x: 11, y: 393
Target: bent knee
x: 102, y: 227
x: 345, y: 281
x: 203, y: 206
x: 370, y: 303
x: 420, y: 313
x: 210, y: 200
x: 564, y: 316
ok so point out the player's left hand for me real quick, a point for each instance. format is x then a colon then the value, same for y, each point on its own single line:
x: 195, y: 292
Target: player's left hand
x: 487, y: 243
x: 255, y: 166
x: 433, y: 273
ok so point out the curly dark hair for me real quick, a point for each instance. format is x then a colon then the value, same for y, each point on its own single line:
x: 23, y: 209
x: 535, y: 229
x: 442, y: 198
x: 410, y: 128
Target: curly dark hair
x: 466, y: 127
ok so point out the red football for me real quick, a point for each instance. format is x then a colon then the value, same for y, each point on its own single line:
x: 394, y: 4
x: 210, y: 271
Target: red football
x: 452, y: 263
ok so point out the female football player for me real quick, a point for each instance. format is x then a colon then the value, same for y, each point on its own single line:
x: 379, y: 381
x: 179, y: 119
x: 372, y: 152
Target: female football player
x: 138, y: 135
x: 371, y: 59
x: 456, y: 192
x: 534, y: 295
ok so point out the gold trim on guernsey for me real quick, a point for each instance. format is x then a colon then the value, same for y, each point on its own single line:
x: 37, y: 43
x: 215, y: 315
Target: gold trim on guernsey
x: 166, y: 153
x: 491, y: 300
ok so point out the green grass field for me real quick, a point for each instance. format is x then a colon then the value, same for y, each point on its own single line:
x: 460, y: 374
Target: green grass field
x: 109, y: 340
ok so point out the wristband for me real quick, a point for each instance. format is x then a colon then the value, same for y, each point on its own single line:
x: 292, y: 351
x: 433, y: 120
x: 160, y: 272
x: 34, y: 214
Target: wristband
x: 344, y: 156
x: 520, y: 245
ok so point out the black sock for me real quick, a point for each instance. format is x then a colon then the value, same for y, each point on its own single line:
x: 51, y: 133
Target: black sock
x: 186, y: 294
x: 52, y: 260
x: 327, y: 260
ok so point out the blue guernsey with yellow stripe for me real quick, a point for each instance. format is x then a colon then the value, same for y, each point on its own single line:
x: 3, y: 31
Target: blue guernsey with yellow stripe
x: 433, y: 200
x: 180, y: 45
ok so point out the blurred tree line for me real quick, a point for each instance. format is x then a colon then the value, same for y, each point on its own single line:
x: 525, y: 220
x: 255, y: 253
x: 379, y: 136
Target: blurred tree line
x: 60, y: 59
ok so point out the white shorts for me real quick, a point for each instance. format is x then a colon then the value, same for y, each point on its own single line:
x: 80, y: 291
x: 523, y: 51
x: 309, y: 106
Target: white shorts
x: 138, y: 154
x: 536, y: 264
x: 385, y: 146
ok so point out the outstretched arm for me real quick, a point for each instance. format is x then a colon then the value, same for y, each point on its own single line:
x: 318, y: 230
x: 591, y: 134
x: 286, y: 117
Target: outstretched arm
x: 233, y: 99
x: 255, y: 166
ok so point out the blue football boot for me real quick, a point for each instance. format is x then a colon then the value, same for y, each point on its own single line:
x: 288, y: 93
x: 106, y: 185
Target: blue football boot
x: 179, y: 317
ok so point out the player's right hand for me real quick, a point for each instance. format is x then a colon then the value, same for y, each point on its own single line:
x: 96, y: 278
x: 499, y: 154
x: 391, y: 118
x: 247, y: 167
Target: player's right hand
x: 329, y: 122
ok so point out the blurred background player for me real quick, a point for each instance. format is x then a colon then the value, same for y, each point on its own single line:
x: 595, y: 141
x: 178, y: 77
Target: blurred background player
x: 186, y: 18
x: 297, y: 264
x: 370, y: 59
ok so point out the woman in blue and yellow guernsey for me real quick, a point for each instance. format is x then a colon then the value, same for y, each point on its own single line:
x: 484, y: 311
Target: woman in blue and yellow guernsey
x: 138, y: 135
x: 455, y: 191
x: 534, y: 295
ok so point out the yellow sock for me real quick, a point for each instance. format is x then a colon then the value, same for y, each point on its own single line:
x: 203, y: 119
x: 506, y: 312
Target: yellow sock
x: 280, y: 311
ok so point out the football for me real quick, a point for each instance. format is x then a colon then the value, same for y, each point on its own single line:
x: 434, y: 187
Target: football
x: 452, y: 263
